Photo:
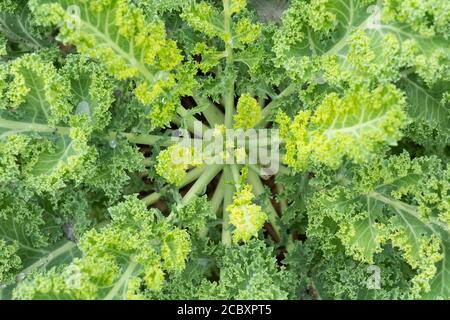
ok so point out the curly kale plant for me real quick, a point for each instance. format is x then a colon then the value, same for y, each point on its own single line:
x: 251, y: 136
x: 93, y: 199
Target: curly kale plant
x: 224, y: 149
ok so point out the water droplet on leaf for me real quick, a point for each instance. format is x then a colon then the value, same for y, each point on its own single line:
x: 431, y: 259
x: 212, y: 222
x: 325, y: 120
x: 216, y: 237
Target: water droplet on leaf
x: 20, y: 277
x: 319, y: 79
x: 83, y: 108
x: 113, y: 144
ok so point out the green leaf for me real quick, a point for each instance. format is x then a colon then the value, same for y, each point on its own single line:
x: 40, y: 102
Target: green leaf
x: 389, y: 204
x: 351, y: 15
x: 426, y: 104
x: 119, y: 290
x: 40, y: 98
x: 33, y: 257
x: 48, y: 163
x: 408, y: 219
x: 102, y: 31
x: 367, y: 235
x: 353, y: 126
x: 60, y: 253
x: 17, y: 27
x: 136, y: 249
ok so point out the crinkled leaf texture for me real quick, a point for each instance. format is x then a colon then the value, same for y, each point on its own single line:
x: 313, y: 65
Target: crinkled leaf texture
x: 398, y: 202
x: 352, y: 41
x: 137, y: 248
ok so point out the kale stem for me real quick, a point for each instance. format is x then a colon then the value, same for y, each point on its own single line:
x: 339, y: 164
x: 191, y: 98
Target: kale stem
x: 229, y: 90
x: 148, y: 162
x: 218, y: 195
x: 191, y: 176
x: 202, y: 182
x: 235, y: 173
x: 190, y: 121
x: 266, y: 112
x: 212, y: 114
x: 144, y: 139
x: 283, y: 203
x: 152, y: 198
x: 23, y: 127
x: 227, y: 200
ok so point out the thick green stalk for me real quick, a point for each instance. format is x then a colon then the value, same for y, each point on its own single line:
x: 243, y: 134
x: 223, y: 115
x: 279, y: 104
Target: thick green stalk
x: 148, y: 162
x: 152, y: 198
x: 215, y: 202
x: 202, y: 182
x: 212, y: 113
x: 191, y: 176
x: 22, y: 127
x: 227, y: 200
x: 218, y: 195
x: 144, y: 139
x: 265, y: 113
x: 190, y: 121
x: 283, y: 203
x: 235, y: 173
x: 229, y: 90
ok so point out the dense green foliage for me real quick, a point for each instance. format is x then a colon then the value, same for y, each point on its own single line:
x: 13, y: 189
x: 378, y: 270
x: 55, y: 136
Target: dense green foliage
x: 96, y: 204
